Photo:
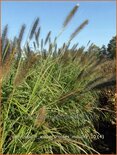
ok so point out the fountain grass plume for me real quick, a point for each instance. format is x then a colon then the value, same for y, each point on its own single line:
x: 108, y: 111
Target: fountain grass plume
x: 47, y: 37
x: 34, y: 28
x: 78, y: 29
x: 20, y: 37
x: 70, y: 15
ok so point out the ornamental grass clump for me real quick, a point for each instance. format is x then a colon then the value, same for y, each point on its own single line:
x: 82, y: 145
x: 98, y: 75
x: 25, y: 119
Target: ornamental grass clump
x: 49, y: 96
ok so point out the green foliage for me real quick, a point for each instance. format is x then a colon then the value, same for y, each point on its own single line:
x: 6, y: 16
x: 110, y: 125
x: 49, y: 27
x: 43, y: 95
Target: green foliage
x: 112, y: 48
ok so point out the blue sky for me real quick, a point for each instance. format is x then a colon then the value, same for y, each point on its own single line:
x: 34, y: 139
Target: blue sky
x: 101, y: 16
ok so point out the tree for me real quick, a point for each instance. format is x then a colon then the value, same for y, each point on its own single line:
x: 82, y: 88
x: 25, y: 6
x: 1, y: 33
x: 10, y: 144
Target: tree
x: 103, y: 50
x: 112, y: 48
